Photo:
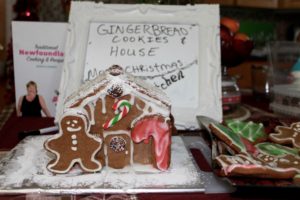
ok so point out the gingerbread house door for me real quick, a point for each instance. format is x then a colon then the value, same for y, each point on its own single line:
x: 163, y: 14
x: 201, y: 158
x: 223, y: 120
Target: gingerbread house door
x: 118, y: 150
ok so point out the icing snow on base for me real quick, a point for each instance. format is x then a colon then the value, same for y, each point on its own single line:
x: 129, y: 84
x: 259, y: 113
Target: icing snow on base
x: 25, y: 168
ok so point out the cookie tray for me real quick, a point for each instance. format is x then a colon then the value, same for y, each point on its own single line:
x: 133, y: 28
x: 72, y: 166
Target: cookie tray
x: 23, y: 170
x: 243, y: 183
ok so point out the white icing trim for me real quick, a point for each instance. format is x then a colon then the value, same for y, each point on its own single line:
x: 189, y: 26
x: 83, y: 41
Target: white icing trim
x: 131, y: 152
x: 92, y: 110
x: 105, y: 153
x: 132, y: 99
x: 119, y: 132
x: 103, y: 104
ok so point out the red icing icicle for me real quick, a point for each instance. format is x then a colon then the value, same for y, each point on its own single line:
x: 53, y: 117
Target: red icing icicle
x: 162, y: 139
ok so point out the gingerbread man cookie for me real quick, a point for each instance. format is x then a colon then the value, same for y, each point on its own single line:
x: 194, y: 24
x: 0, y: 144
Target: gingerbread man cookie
x: 287, y: 135
x: 73, y: 144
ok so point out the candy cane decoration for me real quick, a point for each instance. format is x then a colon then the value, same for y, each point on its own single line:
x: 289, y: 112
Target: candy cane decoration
x: 123, y: 106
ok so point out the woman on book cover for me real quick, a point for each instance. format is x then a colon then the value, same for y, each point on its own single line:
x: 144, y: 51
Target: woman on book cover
x: 31, y: 104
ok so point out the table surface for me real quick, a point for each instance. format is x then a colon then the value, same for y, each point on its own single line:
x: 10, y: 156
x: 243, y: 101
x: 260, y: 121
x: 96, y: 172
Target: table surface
x: 14, y: 125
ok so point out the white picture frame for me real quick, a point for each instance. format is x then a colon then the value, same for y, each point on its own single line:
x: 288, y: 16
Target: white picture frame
x: 208, y: 79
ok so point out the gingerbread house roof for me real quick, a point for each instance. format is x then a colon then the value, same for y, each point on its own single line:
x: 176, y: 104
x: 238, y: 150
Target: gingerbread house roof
x: 116, y: 82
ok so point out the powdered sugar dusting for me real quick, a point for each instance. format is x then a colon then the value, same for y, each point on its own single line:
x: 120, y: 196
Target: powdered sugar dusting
x: 25, y: 168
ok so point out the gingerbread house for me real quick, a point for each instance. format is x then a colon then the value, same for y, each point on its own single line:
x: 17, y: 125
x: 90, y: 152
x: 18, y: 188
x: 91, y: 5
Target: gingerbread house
x: 115, y: 120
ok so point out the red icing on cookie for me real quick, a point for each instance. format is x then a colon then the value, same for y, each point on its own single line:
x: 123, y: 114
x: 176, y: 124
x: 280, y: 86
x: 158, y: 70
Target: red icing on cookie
x: 249, y: 146
x: 160, y: 132
x: 146, y: 141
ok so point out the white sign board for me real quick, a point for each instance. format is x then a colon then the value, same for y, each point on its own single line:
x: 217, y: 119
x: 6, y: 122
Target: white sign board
x: 144, y: 50
x: 38, y: 50
x: 177, y: 48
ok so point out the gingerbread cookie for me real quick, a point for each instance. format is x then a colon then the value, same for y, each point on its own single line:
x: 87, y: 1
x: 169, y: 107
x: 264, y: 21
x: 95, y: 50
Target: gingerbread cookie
x: 254, y: 132
x: 74, y: 145
x: 275, y: 149
x: 270, y: 161
x: 263, y: 166
x: 228, y: 136
x: 287, y: 135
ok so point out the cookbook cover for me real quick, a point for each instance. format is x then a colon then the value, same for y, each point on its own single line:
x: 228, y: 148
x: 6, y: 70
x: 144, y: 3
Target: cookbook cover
x: 38, y: 50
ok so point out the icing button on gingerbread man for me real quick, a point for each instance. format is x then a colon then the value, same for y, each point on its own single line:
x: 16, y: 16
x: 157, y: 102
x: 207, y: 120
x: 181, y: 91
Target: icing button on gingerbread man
x: 74, y: 142
x: 287, y: 135
x: 73, y: 128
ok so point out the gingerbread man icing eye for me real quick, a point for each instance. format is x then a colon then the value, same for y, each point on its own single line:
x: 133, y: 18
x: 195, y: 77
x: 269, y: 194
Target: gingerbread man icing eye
x: 74, y: 123
x: 74, y: 127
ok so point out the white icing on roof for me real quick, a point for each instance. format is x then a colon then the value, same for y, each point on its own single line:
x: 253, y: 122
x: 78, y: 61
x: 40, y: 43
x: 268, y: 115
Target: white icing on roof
x: 115, y: 75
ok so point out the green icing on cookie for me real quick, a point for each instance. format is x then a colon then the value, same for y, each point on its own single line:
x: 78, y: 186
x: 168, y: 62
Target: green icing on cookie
x: 276, y: 149
x: 297, y: 176
x: 249, y: 130
x: 235, y: 138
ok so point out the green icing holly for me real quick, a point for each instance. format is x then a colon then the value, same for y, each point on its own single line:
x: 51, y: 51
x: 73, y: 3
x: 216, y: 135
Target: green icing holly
x: 276, y: 149
x: 235, y: 138
x: 249, y: 130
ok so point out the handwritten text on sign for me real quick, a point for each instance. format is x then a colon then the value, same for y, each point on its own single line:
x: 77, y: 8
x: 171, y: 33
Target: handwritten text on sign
x: 164, y: 54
